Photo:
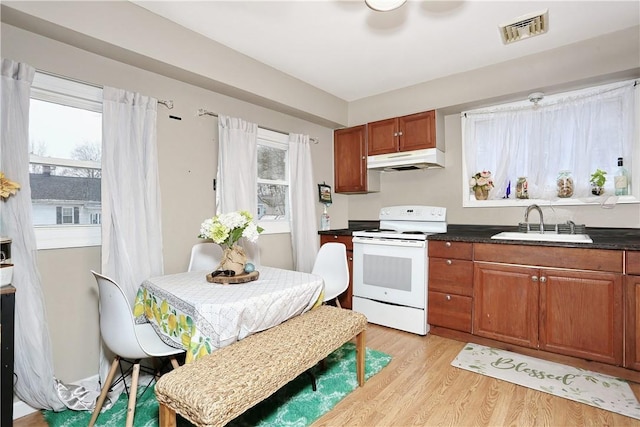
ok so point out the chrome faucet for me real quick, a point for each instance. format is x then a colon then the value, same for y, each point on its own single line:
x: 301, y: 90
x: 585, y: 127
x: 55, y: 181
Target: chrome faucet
x: 526, y: 216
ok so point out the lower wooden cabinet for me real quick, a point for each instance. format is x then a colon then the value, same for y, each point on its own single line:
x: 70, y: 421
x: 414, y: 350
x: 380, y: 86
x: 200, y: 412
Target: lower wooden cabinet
x: 346, y: 297
x: 571, y: 312
x: 582, y: 315
x: 632, y: 311
x: 505, y: 305
x: 450, y: 311
x: 450, y: 285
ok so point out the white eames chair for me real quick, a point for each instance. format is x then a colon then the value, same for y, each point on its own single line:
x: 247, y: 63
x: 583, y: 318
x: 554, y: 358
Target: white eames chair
x: 331, y: 265
x: 205, y: 256
x: 126, y: 340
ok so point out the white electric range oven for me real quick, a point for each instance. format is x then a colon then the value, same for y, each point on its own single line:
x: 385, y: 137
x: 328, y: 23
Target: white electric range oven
x: 390, y: 267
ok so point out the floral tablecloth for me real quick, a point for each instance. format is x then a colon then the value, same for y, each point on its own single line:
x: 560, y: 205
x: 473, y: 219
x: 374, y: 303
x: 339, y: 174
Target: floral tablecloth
x: 190, y: 313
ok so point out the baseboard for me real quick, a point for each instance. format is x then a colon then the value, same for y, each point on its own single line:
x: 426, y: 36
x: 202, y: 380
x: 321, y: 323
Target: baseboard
x: 21, y: 409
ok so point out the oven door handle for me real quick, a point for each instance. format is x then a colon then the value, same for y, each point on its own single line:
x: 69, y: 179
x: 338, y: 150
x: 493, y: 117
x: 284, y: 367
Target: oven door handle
x: 390, y: 242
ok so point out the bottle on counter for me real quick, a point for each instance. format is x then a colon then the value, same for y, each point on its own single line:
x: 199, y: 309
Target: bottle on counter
x: 621, y: 179
x: 325, y: 223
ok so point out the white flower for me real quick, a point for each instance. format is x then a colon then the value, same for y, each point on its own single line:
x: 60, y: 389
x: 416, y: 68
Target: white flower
x: 226, y: 229
x: 251, y: 232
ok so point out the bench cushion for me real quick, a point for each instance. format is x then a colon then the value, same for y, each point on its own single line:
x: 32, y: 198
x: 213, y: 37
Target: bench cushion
x: 219, y: 387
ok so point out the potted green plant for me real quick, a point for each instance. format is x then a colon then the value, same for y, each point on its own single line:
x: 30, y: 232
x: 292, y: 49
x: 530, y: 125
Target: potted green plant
x: 597, y: 181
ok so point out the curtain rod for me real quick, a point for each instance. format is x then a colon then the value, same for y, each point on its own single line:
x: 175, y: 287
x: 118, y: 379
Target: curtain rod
x: 203, y: 112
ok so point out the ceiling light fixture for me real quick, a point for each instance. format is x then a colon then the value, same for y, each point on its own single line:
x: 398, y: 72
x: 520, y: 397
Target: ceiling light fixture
x: 384, y: 5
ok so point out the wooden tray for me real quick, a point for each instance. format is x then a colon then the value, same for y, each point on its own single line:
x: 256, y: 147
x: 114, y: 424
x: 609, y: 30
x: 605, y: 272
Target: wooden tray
x: 239, y: 278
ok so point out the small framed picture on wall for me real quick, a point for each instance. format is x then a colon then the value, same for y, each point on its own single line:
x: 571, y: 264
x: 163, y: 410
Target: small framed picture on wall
x: 324, y: 194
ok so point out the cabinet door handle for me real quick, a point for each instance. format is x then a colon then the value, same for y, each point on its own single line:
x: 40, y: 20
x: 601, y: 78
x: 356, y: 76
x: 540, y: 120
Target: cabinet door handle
x: 395, y: 134
x: 449, y: 262
x: 335, y: 237
x: 400, y: 133
x: 543, y: 279
x: 534, y: 278
x: 448, y: 297
x: 448, y: 244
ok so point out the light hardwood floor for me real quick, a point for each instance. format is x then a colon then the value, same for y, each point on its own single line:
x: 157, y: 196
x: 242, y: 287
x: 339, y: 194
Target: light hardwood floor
x: 420, y: 388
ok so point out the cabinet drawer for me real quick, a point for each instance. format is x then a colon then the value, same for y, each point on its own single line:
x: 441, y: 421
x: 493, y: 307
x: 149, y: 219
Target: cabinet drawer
x: 446, y: 249
x: 449, y: 311
x: 633, y: 262
x: 451, y: 275
x: 347, y: 240
x: 547, y: 256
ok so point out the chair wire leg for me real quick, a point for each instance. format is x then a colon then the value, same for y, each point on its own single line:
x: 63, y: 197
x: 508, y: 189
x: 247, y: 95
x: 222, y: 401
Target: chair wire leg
x: 313, y: 379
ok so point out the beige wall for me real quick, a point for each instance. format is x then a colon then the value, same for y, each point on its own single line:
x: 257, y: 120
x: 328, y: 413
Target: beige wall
x: 170, y: 63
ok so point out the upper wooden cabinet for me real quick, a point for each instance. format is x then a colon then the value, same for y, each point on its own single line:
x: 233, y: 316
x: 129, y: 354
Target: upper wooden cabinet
x: 406, y: 133
x: 350, y: 161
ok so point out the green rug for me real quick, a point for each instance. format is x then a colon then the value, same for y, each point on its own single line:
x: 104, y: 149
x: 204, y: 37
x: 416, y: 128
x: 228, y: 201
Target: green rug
x: 580, y: 385
x: 296, y: 404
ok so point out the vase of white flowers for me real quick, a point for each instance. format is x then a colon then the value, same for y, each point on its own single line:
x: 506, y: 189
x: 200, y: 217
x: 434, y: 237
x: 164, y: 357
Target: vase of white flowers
x: 481, y: 183
x: 226, y: 230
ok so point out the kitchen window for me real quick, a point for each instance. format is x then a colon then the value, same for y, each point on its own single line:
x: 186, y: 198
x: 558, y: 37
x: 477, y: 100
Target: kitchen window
x: 273, y: 181
x: 578, y: 131
x: 65, y: 140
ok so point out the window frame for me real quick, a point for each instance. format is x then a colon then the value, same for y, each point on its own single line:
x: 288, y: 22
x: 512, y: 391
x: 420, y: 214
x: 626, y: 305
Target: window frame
x: 469, y: 201
x: 71, y: 93
x: 278, y: 140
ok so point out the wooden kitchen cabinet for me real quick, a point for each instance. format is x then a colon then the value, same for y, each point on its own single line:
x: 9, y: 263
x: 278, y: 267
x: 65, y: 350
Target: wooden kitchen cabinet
x: 506, y: 304
x: 555, y: 304
x: 582, y: 314
x: 632, y: 311
x: 450, y: 285
x: 350, y: 160
x: 406, y: 133
x: 345, y: 298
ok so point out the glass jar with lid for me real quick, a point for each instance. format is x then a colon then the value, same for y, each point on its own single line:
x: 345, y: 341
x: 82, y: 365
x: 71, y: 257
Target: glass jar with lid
x: 565, y: 184
x: 522, y: 188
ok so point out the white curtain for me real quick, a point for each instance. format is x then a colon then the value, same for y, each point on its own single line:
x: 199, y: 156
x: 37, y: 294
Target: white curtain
x: 131, y: 220
x: 34, y: 383
x: 578, y: 131
x: 304, y: 234
x: 131, y: 208
x: 237, y: 175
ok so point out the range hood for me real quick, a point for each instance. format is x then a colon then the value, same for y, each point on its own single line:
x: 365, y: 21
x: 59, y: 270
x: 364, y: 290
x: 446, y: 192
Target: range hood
x: 407, y: 160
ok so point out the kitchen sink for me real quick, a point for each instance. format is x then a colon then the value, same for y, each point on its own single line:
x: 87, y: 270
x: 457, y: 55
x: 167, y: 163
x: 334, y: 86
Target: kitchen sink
x: 544, y: 237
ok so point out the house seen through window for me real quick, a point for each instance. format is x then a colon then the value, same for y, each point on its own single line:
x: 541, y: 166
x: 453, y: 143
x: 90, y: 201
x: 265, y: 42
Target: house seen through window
x: 65, y: 140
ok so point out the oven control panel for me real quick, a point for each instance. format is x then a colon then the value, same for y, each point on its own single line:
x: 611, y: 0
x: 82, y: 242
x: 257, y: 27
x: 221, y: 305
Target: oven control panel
x: 413, y: 213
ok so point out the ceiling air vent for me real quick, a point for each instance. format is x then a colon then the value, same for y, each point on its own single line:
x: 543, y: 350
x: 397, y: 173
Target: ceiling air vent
x: 525, y: 26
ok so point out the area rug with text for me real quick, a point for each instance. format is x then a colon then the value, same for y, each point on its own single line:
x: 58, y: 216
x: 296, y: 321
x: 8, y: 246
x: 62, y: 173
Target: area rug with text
x: 588, y: 387
x: 296, y: 404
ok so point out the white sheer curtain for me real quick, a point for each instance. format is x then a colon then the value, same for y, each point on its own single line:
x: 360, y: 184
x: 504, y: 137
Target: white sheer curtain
x: 304, y: 234
x: 237, y: 175
x: 131, y: 208
x: 34, y: 383
x: 577, y: 131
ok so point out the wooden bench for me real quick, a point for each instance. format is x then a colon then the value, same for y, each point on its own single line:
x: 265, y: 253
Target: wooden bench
x: 219, y: 387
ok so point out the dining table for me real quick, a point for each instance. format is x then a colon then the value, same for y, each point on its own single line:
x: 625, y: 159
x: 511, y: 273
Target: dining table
x: 187, y: 311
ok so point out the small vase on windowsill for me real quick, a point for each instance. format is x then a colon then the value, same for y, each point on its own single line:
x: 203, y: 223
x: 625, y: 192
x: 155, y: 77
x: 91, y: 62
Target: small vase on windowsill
x: 481, y: 193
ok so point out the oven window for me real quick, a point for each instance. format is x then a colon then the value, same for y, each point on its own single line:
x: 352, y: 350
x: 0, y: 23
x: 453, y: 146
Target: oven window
x: 387, y: 272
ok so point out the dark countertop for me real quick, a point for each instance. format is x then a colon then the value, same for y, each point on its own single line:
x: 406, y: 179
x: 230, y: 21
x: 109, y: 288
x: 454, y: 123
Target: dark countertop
x: 603, y: 238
